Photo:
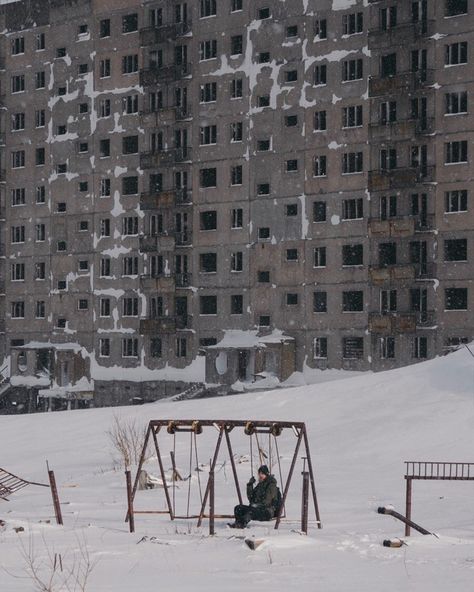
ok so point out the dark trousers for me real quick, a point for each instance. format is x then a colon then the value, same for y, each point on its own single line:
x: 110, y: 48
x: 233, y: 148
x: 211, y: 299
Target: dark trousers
x: 243, y: 514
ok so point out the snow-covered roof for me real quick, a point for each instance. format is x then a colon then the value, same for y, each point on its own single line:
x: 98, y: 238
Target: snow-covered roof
x: 236, y: 339
x: 48, y: 345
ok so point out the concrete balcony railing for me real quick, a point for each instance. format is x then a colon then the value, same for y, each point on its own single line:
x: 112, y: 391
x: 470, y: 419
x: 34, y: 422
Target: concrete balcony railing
x: 159, y: 282
x: 401, y: 226
x: 394, y: 273
x: 148, y: 243
x: 169, y: 157
x: 424, y: 223
x: 400, y: 177
x: 391, y: 323
x: 165, y: 324
x: 400, y: 82
x: 159, y: 199
x: 161, y: 242
x: 394, y: 227
x: 164, y: 33
x: 425, y: 270
x: 158, y: 325
x: 156, y: 74
x: 401, y: 129
x: 404, y: 33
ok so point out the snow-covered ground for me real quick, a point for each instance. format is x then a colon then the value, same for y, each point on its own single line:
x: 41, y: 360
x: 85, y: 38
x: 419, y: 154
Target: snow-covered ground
x: 361, y: 430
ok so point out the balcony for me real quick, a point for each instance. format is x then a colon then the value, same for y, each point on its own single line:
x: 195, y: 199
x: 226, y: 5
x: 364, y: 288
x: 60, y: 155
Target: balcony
x: 391, y: 323
x: 183, y: 238
x: 157, y: 158
x: 183, y: 280
x: 425, y: 318
x: 425, y: 223
x: 400, y: 82
x: 184, y: 322
x: 394, y: 227
x: 405, y: 33
x: 158, y: 282
x: 392, y: 274
x: 183, y: 196
x: 182, y: 112
x: 158, y: 325
x: 159, y: 242
x: 400, y: 178
x: 425, y: 270
x: 148, y: 243
x: 157, y: 74
x: 159, y: 199
x: 164, y: 33
x: 401, y: 129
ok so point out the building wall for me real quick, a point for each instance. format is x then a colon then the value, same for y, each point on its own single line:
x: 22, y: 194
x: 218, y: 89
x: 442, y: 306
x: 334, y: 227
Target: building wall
x: 167, y: 239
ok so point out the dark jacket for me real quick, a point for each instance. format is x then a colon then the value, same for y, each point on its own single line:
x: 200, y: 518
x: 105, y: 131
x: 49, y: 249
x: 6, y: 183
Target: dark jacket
x: 264, y: 493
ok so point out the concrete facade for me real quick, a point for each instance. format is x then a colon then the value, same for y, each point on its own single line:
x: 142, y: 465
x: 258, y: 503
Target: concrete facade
x: 173, y: 171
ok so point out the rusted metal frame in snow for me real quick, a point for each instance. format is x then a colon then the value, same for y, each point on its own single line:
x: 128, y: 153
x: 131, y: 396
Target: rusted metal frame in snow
x: 10, y: 483
x: 432, y: 471
x: 224, y: 428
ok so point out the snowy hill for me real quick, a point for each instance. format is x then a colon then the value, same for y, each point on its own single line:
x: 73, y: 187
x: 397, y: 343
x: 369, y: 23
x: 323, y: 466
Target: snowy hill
x: 361, y: 431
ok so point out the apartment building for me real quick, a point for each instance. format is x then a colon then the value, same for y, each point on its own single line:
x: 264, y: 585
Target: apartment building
x: 228, y: 190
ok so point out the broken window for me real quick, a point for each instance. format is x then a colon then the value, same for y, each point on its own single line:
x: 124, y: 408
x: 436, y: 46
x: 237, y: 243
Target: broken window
x: 130, y: 145
x: 319, y: 211
x: 387, y: 254
x: 320, y: 302
x: 236, y: 304
x: 455, y: 299
x: 208, y: 262
x: 208, y: 305
x: 455, y: 249
x: 208, y: 220
x: 388, y: 65
x: 455, y: 7
x: 353, y: 301
x: 155, y: 347
x: 352, y: 255
x: 130, y: 23
x: 208, y: 178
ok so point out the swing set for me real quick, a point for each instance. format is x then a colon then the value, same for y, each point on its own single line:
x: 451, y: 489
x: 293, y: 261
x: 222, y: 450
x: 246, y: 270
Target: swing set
x: 258, y: 433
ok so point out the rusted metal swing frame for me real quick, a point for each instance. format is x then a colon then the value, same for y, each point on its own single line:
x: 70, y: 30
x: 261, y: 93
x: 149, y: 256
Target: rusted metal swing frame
x: 224, y: 427
x: 432, y: 471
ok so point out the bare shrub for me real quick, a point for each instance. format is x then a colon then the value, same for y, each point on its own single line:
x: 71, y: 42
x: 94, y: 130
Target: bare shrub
x: 56, y: 572
x: 127, y: 437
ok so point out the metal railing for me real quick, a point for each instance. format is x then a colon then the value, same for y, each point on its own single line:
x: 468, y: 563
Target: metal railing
x: 443, y: 471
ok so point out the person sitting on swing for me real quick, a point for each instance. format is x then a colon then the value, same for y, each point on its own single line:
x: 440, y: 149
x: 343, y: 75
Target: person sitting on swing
x: 264, y: 500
